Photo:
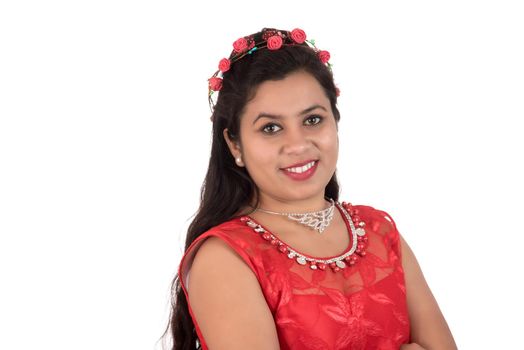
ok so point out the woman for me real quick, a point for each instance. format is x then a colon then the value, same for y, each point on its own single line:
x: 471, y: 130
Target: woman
x: 272, y: 259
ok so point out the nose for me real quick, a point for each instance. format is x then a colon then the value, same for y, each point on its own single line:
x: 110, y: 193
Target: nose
x: 296, y: 141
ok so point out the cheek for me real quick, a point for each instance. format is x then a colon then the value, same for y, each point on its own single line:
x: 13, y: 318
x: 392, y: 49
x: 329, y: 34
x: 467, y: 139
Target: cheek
x: 329, y: 141
x: 259, y: 154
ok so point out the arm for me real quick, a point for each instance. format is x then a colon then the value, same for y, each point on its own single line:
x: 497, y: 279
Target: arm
x: 227, y: 301
x: 428, y: 326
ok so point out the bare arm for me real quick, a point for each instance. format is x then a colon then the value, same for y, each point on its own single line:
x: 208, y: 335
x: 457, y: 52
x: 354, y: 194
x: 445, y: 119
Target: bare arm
x: 428, y: 326
x: 227, y: 301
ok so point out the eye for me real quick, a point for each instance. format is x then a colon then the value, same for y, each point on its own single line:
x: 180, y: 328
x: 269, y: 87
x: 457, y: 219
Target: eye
x: 270, y: 128
x: 313, y: 120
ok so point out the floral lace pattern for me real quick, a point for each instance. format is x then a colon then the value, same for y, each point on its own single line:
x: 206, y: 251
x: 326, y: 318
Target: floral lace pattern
x: 362, y: 307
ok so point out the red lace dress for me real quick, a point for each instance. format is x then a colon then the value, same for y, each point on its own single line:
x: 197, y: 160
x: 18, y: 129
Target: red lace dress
x: 356, y: 300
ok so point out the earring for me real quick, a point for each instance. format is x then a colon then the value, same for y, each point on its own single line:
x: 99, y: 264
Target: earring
x: 239, y: 160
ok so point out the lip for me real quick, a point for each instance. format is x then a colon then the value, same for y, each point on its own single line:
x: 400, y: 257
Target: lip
x: 300, y: 164
x: 302, y: 176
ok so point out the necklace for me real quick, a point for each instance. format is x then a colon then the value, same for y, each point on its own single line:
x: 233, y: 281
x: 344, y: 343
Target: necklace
x: 357, y: 249
x: 317, y: 220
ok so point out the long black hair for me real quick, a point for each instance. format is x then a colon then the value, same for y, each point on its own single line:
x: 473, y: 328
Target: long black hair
x: 228, y: 188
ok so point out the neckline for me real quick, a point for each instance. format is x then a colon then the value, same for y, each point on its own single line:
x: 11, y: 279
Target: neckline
x: 343, y: 213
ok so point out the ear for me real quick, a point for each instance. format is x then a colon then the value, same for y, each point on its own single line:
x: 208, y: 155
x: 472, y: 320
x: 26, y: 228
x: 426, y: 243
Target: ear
x: 233, y: 146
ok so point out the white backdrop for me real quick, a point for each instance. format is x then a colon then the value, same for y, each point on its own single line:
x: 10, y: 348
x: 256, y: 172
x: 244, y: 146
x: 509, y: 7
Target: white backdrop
x: 105, y: 133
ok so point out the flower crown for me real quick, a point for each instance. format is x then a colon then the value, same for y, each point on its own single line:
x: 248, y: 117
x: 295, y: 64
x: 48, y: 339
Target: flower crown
x: 271, y: 39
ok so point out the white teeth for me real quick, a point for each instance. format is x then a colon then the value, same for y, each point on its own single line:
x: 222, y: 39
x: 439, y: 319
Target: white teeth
x: 301, y: 169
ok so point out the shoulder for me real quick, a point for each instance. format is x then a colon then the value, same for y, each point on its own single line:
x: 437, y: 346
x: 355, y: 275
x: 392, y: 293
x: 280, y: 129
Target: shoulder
x: 222, y: 243
x: 214, y: 254
x: 379, y: 220
x: 232, y: 236
x: 233, y: 231
x: 380, y: 227
x: 215, y: 261
x: 227, y: 247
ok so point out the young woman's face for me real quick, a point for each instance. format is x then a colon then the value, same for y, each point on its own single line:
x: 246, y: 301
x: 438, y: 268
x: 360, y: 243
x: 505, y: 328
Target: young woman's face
x: 288, y: 139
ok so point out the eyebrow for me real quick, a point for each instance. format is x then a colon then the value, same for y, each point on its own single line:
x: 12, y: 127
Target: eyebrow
x: 277, y: 116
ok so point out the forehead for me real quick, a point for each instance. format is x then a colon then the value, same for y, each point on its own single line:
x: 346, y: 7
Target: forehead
x: 288, y: 96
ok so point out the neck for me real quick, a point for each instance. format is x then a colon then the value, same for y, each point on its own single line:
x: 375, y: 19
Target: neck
x: 302, y: 205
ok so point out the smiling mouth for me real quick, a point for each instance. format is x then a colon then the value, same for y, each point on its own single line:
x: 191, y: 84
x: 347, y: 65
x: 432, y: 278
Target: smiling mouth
x: 301, y: 169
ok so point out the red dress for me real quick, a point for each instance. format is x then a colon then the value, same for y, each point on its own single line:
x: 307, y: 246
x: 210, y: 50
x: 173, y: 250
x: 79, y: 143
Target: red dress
x: 357, y: 301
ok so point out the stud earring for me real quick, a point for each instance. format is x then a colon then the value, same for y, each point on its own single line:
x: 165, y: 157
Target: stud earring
x: 239, y: 161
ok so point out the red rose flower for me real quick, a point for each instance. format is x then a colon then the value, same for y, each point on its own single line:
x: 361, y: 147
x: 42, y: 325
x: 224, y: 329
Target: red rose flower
x: 298, y: 35
x: 240, y: 45
x: 215, y: 83
x: 224, y: 65
x: 274, y: 42
x: 324, y: 56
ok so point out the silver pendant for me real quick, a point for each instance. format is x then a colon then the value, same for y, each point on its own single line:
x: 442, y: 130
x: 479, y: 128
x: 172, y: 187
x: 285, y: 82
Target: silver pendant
x: 318, y: 220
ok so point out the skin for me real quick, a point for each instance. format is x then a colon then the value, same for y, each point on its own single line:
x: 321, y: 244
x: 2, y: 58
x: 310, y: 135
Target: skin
x: 287, y: 122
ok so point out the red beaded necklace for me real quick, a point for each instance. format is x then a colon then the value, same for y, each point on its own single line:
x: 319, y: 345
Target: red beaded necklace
x: 357, y: 246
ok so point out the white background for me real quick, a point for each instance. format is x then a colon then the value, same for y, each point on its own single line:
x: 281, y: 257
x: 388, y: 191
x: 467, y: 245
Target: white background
x: 105, y: 134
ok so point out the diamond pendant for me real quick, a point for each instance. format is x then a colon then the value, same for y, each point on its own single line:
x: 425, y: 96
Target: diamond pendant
x: 318, y: 221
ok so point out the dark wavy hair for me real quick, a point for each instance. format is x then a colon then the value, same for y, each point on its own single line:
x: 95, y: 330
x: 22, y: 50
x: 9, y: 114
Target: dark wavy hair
x: 228, y: 188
